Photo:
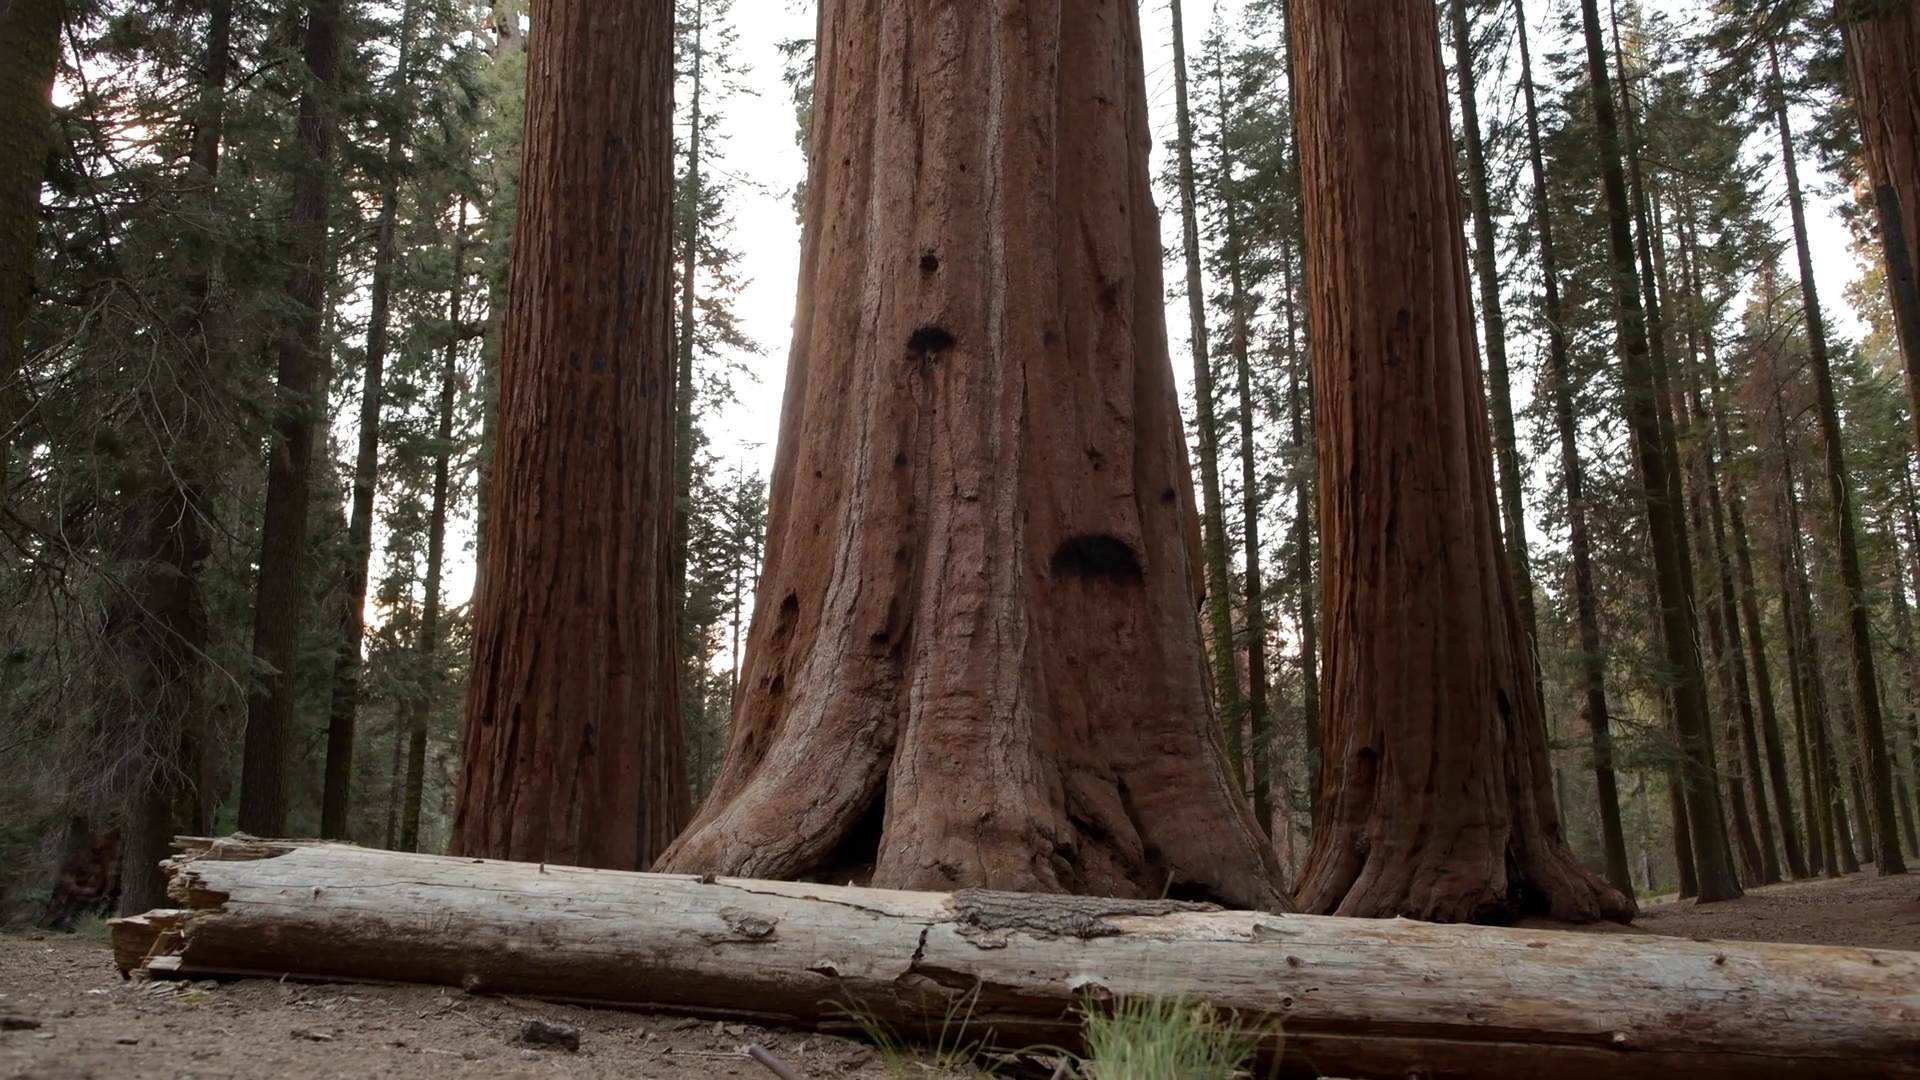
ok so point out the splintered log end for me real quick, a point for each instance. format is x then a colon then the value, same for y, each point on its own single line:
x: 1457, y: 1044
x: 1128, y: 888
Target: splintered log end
x: 138, y: 939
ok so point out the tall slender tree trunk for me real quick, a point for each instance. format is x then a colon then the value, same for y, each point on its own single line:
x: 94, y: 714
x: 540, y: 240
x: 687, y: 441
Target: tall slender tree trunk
x: 1305, y: 590
x: 165, y: 617
x: 1665, y: 526
x: 1213, y: 527
x: 1730, y: 647
x: 1506, y: 445
x: 427, y: 644
x: 1756, y: 641
x: 1258, y: 759
x: 281, y: 593
x: 1903, y: 649
x: 1909, y: 529
x: 1830, y: 818
x: 1881, y: 41
x: 975, y: 658
x: 1439, y: 801
x: 1300, y: 423
x: 1807, y: 708
x: 1682, y: 837
x: 1868, y: 717
x: 684, y: 433
x: 29, y: 55
x: 573, y: 750
x: 337, y: 789
x: 1593, y: 666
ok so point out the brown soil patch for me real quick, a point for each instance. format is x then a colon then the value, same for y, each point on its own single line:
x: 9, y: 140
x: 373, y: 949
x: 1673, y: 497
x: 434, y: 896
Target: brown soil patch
x: 92, y: 1024
x: 1866, y: 910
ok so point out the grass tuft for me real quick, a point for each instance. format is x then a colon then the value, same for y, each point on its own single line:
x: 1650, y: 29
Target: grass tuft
x: 1166, y: 1039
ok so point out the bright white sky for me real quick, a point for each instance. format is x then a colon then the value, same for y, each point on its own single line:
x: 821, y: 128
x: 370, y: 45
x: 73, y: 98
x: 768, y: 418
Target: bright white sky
x: 760, y: 151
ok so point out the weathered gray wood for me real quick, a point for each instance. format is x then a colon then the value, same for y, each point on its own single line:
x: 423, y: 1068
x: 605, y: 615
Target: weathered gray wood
x: 1350, y: 997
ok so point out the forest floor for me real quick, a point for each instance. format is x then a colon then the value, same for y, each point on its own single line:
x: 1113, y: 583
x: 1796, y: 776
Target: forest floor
x: 91, y: 1024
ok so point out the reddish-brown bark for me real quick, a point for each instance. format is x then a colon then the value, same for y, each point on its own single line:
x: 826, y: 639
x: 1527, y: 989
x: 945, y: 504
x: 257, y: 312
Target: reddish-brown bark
x: 1438, y: 801
x: 573, y: 748
x: 975, y: 658
x: 1882, y: 44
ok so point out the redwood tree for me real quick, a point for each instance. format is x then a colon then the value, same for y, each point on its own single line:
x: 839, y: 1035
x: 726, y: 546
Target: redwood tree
x: 573, y: 749
x: 1437, y: 800
x: 975, y: 658
x: 1881, y: 39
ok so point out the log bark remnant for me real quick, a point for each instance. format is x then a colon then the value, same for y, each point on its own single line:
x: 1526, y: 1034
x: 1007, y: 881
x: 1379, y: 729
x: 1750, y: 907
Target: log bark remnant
x: 975, y: 659
x: 1363, y: 998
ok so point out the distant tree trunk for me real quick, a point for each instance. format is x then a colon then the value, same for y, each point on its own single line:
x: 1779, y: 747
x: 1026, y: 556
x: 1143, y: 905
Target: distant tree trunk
x: 1909, y: 542
x: 1665, y: 525
x: 1506, y: 446
x: 1806, y: 714
x: 1869, y: 721
x: 1689, y: 886
x: 1756, y: 642
x: 1670, y: 412
x: 573, y: 751
x: 427, y: 644
x: 29, y: 55
x: 1729, y: 642
x: 684, y: 348
x: 1752, y: 859
x: 1213, y: 528
x: 164, y: 621
x: 1881, y: 40
x: 1306, y: 594
x: 1827, y: 819
x: 281, y: 592
x: 975, y: 658
x: 1258, y: 759
x: 1439, y: 801
x: 1300, y: 422
x: 1593, y: 666
x: 337, y: 790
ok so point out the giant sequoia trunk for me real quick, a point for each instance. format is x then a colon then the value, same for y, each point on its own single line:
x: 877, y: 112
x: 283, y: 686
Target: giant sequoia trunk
x: 975, y: 658
x: 573, y: 750
x: 1882, y: 43
x: 281, y: 592
x: 1438, y: 800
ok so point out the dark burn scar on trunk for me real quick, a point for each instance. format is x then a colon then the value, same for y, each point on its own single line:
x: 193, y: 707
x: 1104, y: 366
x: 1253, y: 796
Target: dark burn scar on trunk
x: 1097, y: 557
x: 928, y: 342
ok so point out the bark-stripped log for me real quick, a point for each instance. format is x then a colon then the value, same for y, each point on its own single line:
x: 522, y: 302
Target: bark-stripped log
x: 1350, y: 997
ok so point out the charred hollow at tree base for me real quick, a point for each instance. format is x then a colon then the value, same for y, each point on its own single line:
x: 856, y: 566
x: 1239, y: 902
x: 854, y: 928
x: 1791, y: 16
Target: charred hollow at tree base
x: 1342, y: 997
x: 976, y: 658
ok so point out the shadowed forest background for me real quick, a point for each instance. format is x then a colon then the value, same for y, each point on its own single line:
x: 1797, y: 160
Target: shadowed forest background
x: 172, y: 313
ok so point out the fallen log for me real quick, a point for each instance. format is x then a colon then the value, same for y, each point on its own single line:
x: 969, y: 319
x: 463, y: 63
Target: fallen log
x: 1347, y: 997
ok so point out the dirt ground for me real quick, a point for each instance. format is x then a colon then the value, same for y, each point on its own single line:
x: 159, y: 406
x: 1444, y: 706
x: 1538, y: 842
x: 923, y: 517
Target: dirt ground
x: 1864, y: 910
x: 91, y: 1024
